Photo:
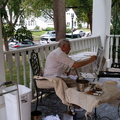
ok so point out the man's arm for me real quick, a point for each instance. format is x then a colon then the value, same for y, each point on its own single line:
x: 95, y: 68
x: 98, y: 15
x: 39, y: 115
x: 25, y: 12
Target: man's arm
x: 83, y: 63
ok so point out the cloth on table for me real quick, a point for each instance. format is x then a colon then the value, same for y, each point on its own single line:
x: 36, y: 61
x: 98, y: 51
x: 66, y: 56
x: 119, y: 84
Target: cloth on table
x: 69, y: 81
x: 89, y: 102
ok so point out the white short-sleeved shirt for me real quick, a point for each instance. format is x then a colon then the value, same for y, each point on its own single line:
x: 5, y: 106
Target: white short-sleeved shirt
x: 57, y: 63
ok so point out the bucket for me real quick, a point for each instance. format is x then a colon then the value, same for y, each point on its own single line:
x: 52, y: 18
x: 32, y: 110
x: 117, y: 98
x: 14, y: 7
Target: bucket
x: 36, y: 115
x: 82, y: 84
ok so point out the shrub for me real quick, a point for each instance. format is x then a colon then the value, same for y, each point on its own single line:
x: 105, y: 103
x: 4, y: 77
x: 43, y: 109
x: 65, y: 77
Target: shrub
x: 22, y: 34
x: 49, y: 29
x: 68, y: 30
x: 37, y: 28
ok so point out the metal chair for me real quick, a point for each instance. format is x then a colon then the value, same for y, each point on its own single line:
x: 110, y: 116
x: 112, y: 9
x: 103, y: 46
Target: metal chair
x: 36, y: 70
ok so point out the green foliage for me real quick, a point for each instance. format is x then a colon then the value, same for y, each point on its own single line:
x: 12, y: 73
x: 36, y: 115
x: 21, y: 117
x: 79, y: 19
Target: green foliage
x: 68, y: 30
x: 79, y: 26
x: 3, y: 13
x: 72, y: 3
x: 22, y: 34
x: 37, y: 28
x: 7, y: 30
x: 14, y: 6
x: 49, y: 29
x: 10, y: 16
x: 37, y: 7
x: 115, y: 19
x: 83, y: 10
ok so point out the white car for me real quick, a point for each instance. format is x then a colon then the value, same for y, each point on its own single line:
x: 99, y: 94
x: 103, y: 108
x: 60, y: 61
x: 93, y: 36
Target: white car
x: 49, y: 33
x: 23, y: 44
x: 81, y: 32
x: 88, y: 34
x: 72, y: 36
x: 47, y: 40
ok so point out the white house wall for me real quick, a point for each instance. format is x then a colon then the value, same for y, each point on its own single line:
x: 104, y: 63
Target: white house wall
x: 31, y: 24
x: 69, y: 19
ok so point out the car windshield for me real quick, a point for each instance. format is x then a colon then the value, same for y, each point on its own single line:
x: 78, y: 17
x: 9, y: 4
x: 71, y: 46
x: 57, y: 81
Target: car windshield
x: 73, y: 36
x: 27, y: 42
x: 52, y: 39
x: 51, y: 32
x: 44, y: 39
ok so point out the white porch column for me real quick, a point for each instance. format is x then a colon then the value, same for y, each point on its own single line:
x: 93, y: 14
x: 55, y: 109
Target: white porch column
x: 2, y: 76
x: 101, y: 18
x: 101, y: 22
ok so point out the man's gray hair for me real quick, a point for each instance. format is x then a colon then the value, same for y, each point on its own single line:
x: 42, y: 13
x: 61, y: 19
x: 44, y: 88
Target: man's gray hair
x: 62, y: 42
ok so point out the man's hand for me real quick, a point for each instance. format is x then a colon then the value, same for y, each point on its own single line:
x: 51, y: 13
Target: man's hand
x: 85, y: 62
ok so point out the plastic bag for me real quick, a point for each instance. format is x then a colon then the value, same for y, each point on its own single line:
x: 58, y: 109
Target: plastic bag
x: 51, y: 117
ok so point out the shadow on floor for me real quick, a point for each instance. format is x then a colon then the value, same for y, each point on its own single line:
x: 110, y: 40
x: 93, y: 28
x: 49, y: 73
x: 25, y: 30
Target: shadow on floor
x: 51, y: 105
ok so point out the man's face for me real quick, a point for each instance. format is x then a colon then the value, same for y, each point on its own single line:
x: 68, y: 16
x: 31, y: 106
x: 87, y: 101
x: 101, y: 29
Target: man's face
x: 67, y: 48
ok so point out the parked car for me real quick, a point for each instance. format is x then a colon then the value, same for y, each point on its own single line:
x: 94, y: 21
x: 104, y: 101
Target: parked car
x: 47, y: 39
x: 72, y: 36
x: 12, y: 41
x: 49, y: 33
x: 17, y: 45
x: 81, y: 32
x: 88, y: 34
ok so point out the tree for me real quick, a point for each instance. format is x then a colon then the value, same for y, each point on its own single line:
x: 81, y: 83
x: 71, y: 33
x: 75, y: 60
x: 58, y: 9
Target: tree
x: 53, y: 9
x: 23, y: 34
x: 59, y: 18
x: 115, y: 17
x: 83, y: 9
x: 11, y: 11
x: 115, y: 27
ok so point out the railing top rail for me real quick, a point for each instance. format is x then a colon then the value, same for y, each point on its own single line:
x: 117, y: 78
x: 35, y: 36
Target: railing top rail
x: 47, y: 45
x: 113, y: 35
x: 30, y: 48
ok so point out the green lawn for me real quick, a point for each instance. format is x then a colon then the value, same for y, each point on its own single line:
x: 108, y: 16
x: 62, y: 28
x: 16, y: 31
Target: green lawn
x: 37, y: 34
x: 14, y: 72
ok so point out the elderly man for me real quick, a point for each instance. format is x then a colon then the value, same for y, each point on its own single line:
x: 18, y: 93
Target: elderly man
x: 58, y: 63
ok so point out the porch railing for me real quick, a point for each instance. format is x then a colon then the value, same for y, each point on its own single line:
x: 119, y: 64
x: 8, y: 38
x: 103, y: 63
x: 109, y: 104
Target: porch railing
x: 112, y: 49
x: 17, y: 61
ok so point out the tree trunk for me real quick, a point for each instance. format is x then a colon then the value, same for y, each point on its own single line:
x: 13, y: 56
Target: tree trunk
x: 59, y: 19
x: 6, y: 43
x: 90, y: 20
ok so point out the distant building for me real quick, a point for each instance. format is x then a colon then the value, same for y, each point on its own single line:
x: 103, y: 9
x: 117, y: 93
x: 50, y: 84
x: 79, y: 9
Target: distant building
x: 43, y: 23
x: 70, y: 14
